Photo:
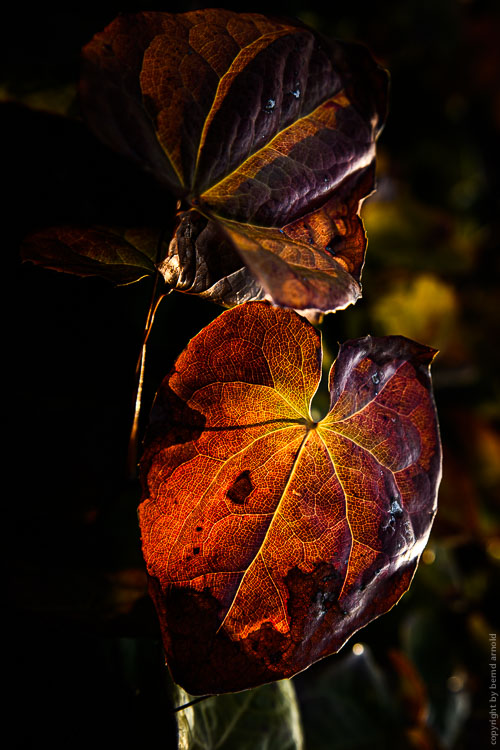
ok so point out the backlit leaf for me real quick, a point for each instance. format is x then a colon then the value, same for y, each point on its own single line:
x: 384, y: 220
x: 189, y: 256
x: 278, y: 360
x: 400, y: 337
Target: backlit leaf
x: 270, y: 538
x: 266, y: 131
x: 258, y: 719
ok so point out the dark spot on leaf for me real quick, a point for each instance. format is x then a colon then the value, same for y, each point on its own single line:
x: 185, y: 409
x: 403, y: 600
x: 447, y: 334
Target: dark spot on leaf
x: 333, y: 243
x: 241, y: 488
x: 196, y: 550
x: 199, y: 528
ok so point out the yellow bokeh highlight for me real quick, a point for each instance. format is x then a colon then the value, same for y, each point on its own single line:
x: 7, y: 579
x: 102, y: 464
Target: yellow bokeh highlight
x: 428, y: 556
x: 424, y: 308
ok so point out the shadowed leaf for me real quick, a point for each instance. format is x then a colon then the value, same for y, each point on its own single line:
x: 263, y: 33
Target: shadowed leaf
x: 265, y: 129
x: 270, y: 538
x: 118, y: 254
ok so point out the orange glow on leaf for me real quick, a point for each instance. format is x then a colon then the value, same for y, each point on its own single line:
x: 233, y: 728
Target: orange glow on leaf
x: 270, y: 539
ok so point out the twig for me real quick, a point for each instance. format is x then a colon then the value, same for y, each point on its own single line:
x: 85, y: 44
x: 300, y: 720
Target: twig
x: 156, y: 298
x: 191, y: 703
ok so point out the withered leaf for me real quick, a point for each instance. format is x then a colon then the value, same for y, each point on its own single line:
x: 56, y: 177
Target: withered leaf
x: 270, y: 538
x: 264, y: 129
x: 115, y: 253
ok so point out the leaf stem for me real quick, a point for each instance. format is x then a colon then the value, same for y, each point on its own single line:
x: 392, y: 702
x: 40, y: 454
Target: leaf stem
x: 156, y: 297
x: 191, y: 703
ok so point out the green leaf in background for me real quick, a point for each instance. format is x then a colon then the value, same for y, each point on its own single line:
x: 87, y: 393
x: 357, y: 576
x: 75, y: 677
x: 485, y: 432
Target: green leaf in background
x: 357, y: 702
x: 265, y: 718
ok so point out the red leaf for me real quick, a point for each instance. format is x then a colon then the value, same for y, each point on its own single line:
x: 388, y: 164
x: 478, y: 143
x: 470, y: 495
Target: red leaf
x: 258, y: 124
x: 269, y: 538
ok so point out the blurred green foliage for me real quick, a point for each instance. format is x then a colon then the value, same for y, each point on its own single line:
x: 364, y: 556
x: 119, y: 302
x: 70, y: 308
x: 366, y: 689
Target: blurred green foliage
x: 258, y: 719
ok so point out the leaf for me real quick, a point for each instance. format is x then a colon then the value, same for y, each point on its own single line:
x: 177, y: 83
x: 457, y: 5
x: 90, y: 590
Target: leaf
x: 356, y: 691
x: 58, y: 99
x: 120, y: 255
x: 258, y: 719
x: 270, y: 538
x: 265, y: 129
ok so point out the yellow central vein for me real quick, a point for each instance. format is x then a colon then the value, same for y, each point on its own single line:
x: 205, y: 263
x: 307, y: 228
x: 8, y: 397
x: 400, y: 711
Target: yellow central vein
x: 337, y: 98
x: 282, y: 603
x: 231, y: 73
x: 373, y: 400
x: 362, y: 544
x: 247, y: 514
x: 192, y: 400
x: 276, y: 513
x: 170, y: 158
x: 346, y: 508
x: 306, y: 411
x: 215, y: 477
x: 360, y: 445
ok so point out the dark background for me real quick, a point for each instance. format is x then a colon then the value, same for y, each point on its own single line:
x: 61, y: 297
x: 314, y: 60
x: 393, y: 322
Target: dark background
x: 82, y: 637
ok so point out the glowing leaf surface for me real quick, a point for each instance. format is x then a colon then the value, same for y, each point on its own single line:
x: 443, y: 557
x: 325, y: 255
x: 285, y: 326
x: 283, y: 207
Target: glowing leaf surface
x: 269, y: 538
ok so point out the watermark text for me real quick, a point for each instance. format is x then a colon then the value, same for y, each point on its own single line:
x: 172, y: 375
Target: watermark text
x: 493, y: 702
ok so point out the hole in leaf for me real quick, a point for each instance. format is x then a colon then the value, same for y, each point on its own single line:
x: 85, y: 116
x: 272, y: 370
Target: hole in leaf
x: 241, y: 488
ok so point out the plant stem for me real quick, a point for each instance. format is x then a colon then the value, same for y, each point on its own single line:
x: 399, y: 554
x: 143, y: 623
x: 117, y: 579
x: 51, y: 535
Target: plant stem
x: 191, y: 703
x: 156, y: 297
x: 139, y: 379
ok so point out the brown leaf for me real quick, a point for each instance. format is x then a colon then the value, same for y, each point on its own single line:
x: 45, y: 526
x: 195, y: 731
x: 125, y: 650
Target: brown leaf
x: 118, y: 254
x: 264, y: 128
